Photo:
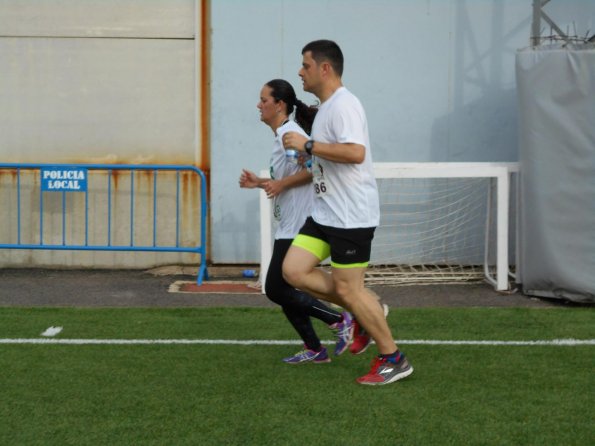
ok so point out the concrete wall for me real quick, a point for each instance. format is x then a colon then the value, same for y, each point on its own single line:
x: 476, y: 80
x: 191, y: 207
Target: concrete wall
x: 109, y: 81
x: 436, y: 78
x: 124, y: 81
x: 99, y: 82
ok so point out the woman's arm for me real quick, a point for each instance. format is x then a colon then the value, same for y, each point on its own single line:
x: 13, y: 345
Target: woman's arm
x: 250, y: 180
x: 275, y: 187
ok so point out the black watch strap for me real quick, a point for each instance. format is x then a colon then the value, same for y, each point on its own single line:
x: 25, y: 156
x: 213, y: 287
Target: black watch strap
x: 309, y: 146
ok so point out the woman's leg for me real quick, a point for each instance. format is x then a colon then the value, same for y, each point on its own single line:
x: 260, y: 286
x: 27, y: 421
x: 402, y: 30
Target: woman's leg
x: 297, y: 305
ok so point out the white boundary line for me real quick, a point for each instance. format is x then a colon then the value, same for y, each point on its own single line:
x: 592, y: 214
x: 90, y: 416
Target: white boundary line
x: 551, y: 342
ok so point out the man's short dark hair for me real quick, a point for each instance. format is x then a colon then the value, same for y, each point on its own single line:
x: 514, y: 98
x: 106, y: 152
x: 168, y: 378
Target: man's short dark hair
x: 326, y: 50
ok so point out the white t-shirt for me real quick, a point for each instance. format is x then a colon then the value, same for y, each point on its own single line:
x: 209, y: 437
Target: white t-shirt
x: 346, y: 194
x: 292, y: 206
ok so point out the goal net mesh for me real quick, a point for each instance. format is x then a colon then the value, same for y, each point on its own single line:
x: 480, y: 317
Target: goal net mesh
x: 438, y: 224
x: 432, y: 230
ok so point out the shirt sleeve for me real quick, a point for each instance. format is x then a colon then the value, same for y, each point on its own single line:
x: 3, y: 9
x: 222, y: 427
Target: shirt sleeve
x: 348, y: 123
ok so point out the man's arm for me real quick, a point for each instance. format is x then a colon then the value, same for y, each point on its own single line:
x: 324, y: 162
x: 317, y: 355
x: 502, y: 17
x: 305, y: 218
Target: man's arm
x: 340, y: 152
x: 337, y: 152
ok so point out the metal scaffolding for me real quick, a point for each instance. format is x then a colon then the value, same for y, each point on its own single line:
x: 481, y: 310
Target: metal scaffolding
x: 540, y: 15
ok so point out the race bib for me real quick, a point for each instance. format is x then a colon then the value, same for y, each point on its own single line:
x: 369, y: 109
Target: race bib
x: 321, y: 186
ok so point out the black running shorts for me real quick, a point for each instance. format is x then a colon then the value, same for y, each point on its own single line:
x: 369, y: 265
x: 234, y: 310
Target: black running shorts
x: 348, y: 248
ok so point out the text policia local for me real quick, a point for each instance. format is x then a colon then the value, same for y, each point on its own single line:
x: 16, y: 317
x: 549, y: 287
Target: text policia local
x: 63, y: 179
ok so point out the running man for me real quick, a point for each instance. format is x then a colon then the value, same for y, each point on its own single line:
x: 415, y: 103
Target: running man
x: 346, y: 209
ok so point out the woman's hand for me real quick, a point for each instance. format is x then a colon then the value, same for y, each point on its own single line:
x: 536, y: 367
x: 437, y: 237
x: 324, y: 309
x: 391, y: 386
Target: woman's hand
x: 273, y: 188
x: 249, y: 180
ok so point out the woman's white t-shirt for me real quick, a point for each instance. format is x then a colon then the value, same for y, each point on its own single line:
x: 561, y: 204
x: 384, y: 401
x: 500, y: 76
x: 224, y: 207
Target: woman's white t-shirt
x: 292, y: 206
x: 346, y: 194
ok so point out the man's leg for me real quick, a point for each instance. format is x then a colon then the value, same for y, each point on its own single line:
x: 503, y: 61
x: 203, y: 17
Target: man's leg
x: 344, y: 287
x: 361, y: 338
x: 391, y: 365
x: 349, y: 289
x: 299, y: 269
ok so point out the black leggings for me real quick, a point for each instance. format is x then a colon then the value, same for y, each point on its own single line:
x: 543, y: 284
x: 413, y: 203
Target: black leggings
x: 297, y: 305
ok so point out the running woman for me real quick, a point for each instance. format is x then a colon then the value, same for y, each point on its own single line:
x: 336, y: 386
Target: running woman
x: 290, y: 189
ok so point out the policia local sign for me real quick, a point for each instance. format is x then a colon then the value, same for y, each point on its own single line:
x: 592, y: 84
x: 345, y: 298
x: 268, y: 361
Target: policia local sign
x: 61, y: 179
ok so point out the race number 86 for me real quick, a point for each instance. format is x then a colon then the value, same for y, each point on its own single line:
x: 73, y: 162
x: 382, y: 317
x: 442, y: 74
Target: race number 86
x: 320, y: 188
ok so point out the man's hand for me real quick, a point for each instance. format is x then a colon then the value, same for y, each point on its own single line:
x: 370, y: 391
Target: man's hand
x: 293, y: 140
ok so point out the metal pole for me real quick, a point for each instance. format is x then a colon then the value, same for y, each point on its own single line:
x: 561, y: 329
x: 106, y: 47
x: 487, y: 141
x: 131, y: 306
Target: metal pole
x: 535, y: 39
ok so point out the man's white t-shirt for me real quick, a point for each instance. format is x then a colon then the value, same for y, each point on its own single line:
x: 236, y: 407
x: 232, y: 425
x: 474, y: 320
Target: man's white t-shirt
x: 292, y: 206
x: 346, y: 194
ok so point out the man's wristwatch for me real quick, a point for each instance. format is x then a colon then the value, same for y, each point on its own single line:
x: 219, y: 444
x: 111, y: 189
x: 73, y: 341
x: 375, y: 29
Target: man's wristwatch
x: 309, y: 146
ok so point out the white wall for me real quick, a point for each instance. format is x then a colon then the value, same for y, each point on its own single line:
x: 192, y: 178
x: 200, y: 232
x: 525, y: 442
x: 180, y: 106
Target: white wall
x: 119, y: 81
x: 436, y: 78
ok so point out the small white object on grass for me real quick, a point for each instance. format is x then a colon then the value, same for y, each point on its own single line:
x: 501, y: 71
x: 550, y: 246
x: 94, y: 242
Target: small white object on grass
x: 52, y: 331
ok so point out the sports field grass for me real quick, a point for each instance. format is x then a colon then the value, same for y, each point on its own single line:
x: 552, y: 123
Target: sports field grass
x: 242, y: 394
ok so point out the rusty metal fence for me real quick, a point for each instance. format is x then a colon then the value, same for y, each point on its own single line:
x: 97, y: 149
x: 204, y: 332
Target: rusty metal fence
x: 104, y: 207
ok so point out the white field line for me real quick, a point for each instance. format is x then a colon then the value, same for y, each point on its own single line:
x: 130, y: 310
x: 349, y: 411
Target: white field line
x: 551, y: 342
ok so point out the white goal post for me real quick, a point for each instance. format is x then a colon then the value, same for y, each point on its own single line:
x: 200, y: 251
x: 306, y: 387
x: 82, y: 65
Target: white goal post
x: 436, y: 224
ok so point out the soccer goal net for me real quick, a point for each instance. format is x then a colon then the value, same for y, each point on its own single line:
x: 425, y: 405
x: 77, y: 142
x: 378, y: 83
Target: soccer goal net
x: 439, y: 223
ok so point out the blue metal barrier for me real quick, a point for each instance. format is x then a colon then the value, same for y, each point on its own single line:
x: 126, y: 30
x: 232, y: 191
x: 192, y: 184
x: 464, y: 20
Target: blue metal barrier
x: 68, y: 178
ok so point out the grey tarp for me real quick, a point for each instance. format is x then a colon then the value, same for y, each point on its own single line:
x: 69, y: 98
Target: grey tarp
x: 556, y: 91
